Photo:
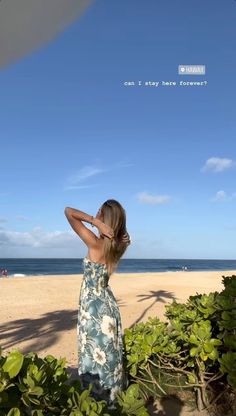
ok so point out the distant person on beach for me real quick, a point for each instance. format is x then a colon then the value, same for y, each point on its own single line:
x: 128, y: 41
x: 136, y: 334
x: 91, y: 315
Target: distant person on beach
x: 99, y: 328
x: 4, y: 272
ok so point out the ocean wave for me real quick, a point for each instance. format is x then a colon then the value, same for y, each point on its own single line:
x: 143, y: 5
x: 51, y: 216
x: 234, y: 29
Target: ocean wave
x: 18, y: 275
x: 177, y: 269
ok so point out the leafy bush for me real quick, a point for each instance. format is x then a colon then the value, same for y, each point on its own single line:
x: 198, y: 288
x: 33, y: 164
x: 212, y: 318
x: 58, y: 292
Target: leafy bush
x: 193, y: 354
x: 30, y: 385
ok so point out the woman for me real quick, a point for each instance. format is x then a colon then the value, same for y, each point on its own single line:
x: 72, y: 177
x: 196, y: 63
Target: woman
x: 99, y: 329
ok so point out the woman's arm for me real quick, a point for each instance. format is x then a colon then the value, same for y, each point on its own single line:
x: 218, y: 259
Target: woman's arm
x: 75, y: 218
x: 82, y: 216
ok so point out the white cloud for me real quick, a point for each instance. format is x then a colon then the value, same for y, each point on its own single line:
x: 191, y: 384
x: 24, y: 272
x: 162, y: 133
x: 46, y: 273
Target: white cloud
x: 74, y: 181
x: 153, y: 199
x: 86, y: 172
x: 79, y: 186
x: 217, y: 164
x: 38, y: 238
x: 77, y: 180
x: 222, y: 196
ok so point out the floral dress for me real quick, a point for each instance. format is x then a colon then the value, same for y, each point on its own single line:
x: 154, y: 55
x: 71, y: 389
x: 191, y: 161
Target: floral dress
x: 99, y: 334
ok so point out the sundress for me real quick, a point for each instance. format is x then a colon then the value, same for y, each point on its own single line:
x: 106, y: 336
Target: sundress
x: 99, y: 335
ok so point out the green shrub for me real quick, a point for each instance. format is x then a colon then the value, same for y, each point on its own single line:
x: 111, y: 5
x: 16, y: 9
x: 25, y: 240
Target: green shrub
x: 30, y: 385
x: 192, y: 355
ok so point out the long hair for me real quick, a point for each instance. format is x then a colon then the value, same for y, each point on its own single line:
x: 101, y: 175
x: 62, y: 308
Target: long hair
x: 114, y: 215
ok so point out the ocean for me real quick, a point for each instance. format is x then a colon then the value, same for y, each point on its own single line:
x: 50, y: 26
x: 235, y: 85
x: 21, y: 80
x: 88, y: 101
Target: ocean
x: 44, y: 266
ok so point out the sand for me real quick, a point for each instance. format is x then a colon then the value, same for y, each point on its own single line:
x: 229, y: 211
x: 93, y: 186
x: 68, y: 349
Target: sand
x: 40, y: 313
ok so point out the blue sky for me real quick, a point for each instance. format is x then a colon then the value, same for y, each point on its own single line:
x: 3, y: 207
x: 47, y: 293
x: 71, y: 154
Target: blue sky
x: 72, y: 134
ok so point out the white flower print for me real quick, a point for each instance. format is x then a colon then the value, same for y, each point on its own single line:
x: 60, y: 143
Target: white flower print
x: 85, y: 291
x: 84, y: 317
x: 93, y: 274
x: 83, y: 341
x: 97, y: 290
x: 99, y: 356
x: 114, y: 392
x: 118, y: 372
x: 108, y: 326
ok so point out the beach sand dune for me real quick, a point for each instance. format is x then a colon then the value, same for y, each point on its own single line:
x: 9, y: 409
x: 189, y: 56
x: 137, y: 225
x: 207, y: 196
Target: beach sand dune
x: 40, y: 313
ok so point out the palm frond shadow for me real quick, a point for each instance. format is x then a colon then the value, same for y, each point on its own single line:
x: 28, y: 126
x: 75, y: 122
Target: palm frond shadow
x: 120, y: 302
x: 40, y: 333
x: 158, y: 296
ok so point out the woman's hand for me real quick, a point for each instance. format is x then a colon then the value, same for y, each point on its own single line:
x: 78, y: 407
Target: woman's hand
x: 104, y: 229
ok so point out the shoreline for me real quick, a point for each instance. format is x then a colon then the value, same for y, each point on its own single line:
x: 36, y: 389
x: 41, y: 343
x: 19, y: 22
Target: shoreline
x: 22, y: 275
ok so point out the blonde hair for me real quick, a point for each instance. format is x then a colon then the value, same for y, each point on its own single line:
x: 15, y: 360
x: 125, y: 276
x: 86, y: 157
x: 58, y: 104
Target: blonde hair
x: 114, y: 215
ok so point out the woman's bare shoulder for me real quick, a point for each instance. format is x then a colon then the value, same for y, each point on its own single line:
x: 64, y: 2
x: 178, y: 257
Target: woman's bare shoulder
x: 96, y: 253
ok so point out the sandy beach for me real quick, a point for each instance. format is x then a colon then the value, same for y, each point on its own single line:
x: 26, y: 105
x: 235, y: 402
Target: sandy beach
x: 40, y: 313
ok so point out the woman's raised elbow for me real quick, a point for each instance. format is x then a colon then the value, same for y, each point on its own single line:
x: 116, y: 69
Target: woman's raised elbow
x: 67, y: 211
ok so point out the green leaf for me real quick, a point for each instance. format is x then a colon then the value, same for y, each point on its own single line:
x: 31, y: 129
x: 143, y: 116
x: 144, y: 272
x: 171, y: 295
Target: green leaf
x: 14, y: 412
x: 13, y: 363
x: 203, y: 355
x: 193, y: 339
x: 213, y: 355
x: 37, y: 413
x: 29, y: 381
x: 132, y: 391
x: 226, y: 316
x: 37, y: 391
x: 208, y: 346
x: 191, y: 378
x: 193, y: 352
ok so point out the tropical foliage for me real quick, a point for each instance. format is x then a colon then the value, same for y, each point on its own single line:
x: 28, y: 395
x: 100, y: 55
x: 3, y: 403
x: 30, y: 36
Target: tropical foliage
x: 30, y: 385
x: 193, y: 354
